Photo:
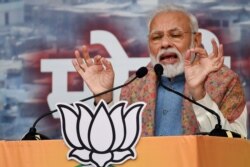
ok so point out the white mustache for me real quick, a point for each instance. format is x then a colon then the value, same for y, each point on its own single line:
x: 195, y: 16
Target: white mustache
x: 166, y: 51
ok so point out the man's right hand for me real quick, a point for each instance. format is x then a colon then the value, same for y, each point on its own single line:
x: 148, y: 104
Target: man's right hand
x: 97, y: 73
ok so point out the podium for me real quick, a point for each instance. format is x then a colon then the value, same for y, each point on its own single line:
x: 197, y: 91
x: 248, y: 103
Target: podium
x: 179, y: 151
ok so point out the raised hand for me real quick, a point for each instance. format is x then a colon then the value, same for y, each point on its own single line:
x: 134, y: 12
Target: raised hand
x: 97, y: 73
x: 196, y: 72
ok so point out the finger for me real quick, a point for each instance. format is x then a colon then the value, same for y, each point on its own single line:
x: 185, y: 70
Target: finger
x: 215, y: 48
x: 78, y: 57
x: 86, y: 56
x: 218, y: 62
x: 221, y: 62
x: 97, y: 60
x: 84, y: 67
x: 80, y: 61
x: 220, y: 51
x: 107, y: 64
x: 77, y: 67
x: 187, y: 61
x: 199, y: 52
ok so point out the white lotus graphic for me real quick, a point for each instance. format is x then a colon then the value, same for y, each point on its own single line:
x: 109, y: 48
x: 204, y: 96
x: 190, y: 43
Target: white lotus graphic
x: 103, y: 136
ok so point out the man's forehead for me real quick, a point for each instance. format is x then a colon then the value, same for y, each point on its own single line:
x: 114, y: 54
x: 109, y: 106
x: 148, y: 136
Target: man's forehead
x: 170, y: 21
x: 174, y: 29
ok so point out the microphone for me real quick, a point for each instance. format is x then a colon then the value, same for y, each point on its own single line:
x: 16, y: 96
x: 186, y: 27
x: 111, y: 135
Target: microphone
x: 33, y: 135
x: 217, y: 131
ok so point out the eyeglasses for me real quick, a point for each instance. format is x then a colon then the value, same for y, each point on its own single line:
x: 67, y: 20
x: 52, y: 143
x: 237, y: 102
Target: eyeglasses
x: 173, y: 36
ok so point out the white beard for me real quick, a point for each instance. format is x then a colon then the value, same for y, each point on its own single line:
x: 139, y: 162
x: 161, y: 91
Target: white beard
x: 170, y: 70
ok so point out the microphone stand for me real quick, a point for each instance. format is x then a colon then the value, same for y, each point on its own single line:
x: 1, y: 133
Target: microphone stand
x: 33, y: 135
x: 217, y: 126
x: 217, y: 131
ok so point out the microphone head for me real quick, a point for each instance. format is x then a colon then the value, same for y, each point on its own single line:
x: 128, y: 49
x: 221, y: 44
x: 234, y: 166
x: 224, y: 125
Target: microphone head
x: 158, y: 69
x: 141, y: 72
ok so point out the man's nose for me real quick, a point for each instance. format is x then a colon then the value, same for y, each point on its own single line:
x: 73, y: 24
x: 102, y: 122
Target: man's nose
x: 166, y: 42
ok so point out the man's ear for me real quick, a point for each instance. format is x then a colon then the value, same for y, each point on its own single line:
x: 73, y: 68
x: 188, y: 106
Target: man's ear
x: 198, y: 40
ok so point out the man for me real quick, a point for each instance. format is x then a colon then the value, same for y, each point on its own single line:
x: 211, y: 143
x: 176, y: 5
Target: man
x: 175, y: 43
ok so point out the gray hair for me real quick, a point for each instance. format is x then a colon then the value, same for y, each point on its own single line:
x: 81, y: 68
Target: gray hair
x: 174, y: 8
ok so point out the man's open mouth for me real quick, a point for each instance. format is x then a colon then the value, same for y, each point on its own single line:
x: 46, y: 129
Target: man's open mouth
x: 169, y: 58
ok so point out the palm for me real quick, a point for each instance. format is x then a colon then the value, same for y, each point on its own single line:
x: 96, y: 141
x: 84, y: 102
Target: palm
x: 197, y: 72
x: 98, y: 80
x: 97, y: 73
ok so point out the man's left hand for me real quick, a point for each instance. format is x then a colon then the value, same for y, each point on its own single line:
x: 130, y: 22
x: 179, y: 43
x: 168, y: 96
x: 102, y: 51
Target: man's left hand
x: 197, y: 71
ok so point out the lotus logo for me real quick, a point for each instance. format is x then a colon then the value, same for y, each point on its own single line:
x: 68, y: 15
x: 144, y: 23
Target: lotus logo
x: 103, y: 136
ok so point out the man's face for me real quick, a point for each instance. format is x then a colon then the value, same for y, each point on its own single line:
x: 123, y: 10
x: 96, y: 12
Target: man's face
x: 170, y: 36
